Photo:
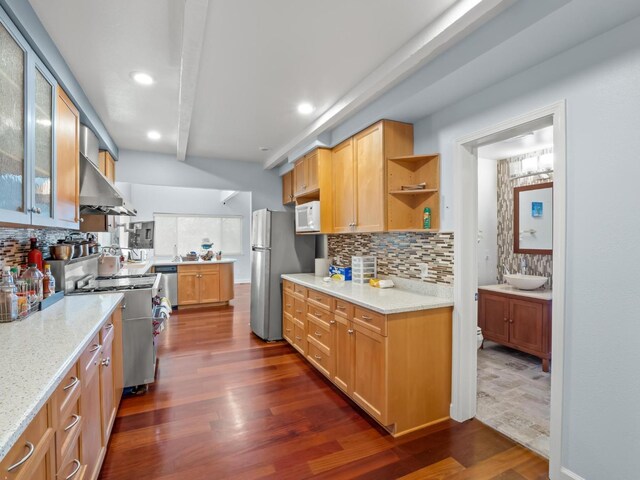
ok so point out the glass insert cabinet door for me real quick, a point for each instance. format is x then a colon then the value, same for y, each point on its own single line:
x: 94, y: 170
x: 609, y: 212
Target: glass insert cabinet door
x: 14, y: 191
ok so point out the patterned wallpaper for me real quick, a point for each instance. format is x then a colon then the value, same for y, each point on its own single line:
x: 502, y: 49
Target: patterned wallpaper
x: 536, y: 264
x: 14, y: 242
x: 398, y: 254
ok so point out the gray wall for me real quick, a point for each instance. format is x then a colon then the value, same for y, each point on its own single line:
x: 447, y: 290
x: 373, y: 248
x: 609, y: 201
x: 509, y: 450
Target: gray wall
x: 160, y: 169
x: 600, y: 81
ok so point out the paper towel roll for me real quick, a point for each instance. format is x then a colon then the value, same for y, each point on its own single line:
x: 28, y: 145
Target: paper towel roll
x: 322, y: 267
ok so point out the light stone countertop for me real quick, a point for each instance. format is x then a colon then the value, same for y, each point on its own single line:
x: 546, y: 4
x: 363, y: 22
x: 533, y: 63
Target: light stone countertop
x: 545, y: 294
x: 135, y: 268
x: 36, y: 352
x: 382, y: 300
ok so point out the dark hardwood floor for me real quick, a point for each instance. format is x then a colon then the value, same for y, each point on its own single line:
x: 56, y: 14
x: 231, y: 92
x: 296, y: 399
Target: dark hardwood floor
x: 228, y: 406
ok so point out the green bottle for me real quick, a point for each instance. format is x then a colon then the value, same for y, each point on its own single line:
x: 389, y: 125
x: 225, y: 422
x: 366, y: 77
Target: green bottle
x: 426, y: 219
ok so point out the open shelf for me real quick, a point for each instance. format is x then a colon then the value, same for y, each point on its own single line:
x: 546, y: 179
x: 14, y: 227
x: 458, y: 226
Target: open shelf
x: 405, y: 208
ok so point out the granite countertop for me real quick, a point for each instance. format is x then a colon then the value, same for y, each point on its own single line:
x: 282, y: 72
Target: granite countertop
x: 382, y: 300
x: 36, y: 352
x: 133, y: 268
x: 544, y: 294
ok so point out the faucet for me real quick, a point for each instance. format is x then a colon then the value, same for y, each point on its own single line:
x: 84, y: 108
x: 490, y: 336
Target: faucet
x: 523, y: 266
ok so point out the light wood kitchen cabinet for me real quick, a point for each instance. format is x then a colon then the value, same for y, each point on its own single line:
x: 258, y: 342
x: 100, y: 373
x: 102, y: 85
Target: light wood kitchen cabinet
x: 287, y: 188
x: 67, y: 160
x: 397, y: 367
x: 518, y: 322
x: 360, y: 179
x: 117, y: 358
x: 92, y: 442
x: 107, y: 387
x: 305, y: 174
x: 205, y: 284
x: 107, y: 165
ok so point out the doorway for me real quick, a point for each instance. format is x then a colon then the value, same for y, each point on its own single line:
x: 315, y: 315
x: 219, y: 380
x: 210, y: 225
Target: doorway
x: 464, y: 380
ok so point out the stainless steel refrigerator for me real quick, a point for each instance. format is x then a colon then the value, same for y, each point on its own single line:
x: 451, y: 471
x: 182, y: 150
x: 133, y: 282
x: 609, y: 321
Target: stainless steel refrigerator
x: 275, y: 249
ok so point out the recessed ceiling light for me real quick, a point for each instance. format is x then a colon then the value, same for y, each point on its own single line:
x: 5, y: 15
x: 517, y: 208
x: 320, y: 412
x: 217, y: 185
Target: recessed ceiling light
x: 264, y: 149
x: 305, y: 108
x: 153, y: 135
x: 142, y: 78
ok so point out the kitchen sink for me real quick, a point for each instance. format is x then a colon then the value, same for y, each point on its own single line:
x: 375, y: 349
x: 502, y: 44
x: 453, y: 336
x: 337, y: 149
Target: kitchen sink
x: 525, y: 282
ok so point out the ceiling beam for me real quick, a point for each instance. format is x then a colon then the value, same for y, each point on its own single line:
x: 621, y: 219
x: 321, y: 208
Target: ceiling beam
x: 457, y: 22
x: 193, y: 29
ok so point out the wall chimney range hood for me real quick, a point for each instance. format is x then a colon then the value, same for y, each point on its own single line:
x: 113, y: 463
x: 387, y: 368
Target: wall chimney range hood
x: 97, y: 195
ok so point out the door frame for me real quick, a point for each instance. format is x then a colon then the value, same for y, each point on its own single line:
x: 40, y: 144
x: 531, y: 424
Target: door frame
x: 464, y: 371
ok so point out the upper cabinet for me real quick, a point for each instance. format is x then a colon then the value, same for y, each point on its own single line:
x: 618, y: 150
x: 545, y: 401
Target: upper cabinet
x: 38, y: 140
x: 107, y: 165
x: 359, y: 166
x: 306, y: 175
x: 287, y: 188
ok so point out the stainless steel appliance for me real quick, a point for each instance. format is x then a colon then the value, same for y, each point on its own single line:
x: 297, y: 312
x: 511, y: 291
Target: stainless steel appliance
x: 275, y: 249
x: 141, y: 322
x: 169, y: 282
x: 308, y: 217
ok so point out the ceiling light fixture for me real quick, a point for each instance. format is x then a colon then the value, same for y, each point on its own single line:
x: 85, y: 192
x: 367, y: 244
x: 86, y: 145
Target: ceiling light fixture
x: 305, y: 108
x: 264, y: 149
x: 153, y: 135
x: 142, y: 78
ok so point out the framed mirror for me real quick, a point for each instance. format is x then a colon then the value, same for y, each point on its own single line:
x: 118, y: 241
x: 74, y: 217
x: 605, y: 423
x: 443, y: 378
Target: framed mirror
x: 533, y: 219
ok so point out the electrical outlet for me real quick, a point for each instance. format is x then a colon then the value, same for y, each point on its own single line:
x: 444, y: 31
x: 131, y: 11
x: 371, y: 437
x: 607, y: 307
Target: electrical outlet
x: 424, y: 270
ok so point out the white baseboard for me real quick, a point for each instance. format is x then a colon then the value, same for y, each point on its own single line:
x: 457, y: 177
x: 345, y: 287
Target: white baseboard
x: 242, y: 280
x: 566, y: 474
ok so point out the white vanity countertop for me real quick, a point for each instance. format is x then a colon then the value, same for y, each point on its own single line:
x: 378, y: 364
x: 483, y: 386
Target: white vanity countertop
x: 382, y: 300
x: 134, y: 268
x: 36, y: 352
x: 545, y: 294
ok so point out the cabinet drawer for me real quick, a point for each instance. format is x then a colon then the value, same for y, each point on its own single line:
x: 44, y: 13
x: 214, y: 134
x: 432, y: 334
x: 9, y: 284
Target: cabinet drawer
x: 288, y: 286
x: 106, y: 332
x: 320, y: 332
x: 319, y: 314
x: 319, y: 299
x: 208, y: 268
x: 67, y: 392
x: 70, y: 466
x: 375, y: 322
x: 343, y: 308
x: 300, y: 291
x: 29, y: 447
x: 287, y: 305
x: 299, y: 340
x: 299, y: 309
x: 89, y: 359
x: 319, y: 359
x: 287, y: 328
x: 67, y: 433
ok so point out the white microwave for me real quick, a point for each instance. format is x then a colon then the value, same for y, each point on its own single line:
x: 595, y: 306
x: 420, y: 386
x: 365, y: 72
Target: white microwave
x: 308, y: 217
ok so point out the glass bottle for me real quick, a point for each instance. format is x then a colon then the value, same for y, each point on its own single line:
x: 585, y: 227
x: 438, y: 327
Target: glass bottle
x: 33, y: 278
x: 8, y: 297
x: 48, y: 282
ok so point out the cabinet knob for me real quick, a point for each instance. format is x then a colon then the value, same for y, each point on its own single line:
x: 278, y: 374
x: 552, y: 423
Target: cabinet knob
x: 106, y: 361
x: 332, y: 322
x: 350, y: 332
x: 506, y: 319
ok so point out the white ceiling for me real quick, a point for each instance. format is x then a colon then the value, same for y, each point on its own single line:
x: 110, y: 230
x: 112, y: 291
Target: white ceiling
x: 536, y: 140
x: 259, y: 60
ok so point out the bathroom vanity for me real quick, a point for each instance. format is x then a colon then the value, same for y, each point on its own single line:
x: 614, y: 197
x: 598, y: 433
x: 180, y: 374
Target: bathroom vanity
x: 516, y: 318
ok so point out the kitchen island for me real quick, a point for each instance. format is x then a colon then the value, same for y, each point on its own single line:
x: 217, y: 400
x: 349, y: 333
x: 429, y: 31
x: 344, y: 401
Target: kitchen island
x: 389, y: 350
x: 61, y: 382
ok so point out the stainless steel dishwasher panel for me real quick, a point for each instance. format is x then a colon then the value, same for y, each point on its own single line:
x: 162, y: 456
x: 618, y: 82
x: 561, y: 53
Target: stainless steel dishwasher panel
x: 168, y: 283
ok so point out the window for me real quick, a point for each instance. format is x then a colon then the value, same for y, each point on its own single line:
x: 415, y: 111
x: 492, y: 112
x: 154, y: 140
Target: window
x: 187, y: 232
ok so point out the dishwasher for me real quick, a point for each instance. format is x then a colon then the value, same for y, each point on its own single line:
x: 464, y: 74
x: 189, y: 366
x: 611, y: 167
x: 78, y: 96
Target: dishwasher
x: 169, y: 282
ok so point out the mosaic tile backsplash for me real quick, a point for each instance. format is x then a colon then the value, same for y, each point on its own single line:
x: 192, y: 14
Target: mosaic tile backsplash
x: 15, y: 245
x: 536, y: 264
x: 397, y: 254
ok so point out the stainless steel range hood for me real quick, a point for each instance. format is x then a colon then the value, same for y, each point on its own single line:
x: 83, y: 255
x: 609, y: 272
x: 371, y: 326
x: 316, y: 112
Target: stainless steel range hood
x: 97, y: 195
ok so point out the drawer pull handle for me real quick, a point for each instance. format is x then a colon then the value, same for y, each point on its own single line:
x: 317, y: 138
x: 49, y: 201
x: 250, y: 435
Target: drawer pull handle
x: 288, y: 305
x: 318, y: 334
x: 106, y: 362
x: 75, y: 470
x: 318, y: 299
x: 287, y: 329
x: 109, y: 326
x: 94, y: 348
x: 318, y: 314
x: 31, y: 448
x: 340, y: 307
x: 298, y: 338
x: 317, y: 357
x: 74, y: 382
x: 76, y: 419
x: 298, y: 311
x: 350, y: 332
x: 332, y: 322
x: 366, y: 317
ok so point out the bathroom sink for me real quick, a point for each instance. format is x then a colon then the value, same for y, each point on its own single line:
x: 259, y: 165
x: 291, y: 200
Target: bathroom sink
x: 525, y: 282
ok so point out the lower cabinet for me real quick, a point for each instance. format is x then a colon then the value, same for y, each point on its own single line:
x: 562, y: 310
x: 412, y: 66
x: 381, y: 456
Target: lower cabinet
x: 518, y: 322
x: 205, y: 284
x: 397, y: 368
x: 68, y: 437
